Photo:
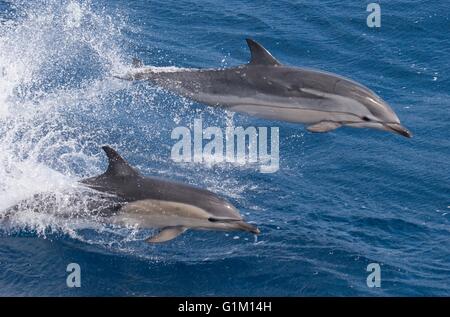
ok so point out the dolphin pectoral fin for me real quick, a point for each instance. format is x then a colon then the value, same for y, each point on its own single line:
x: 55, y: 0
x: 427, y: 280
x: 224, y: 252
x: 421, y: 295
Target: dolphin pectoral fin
x: 323, y: 126
x: 166, y: 234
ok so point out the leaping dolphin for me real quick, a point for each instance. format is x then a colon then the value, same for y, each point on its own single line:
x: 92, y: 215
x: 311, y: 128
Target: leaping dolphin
x: 150, y: 202
x: 268, y: 89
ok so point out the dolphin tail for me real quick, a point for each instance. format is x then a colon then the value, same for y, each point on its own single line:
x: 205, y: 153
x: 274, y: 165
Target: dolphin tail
x: 124, y: 77
x: 4, y: 216
x: 137, y: 63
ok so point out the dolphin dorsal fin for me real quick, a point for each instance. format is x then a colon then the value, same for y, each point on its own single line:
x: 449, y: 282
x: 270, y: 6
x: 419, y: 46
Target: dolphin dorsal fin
x: 117, y: 166
x: 260, y: 56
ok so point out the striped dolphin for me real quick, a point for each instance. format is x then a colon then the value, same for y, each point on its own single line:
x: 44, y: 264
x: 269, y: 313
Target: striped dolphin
x: 150, y: 202
x: 269, y: 89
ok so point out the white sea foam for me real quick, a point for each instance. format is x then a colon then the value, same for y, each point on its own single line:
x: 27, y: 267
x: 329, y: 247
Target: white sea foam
x: 57, y: 58
x: 41, y: 147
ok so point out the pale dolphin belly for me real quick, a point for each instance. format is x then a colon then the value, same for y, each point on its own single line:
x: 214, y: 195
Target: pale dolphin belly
x: 151, y: 213
x: 296, y: 110
x: 291, y: 114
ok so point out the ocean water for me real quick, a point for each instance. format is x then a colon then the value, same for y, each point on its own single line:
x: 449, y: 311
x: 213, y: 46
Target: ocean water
x: 340, y: 200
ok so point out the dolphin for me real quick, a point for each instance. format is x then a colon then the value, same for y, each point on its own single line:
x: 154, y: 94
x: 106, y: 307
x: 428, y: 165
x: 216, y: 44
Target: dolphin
x: 265, y: 88
x: 148, y: 202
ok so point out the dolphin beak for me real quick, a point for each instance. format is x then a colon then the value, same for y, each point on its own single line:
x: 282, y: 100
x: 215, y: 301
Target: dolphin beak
x: 399, y: 129
x: 248, y: 227
x: 254, y: 230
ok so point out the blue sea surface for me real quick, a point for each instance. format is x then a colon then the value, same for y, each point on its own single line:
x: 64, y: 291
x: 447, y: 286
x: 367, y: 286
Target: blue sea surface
x: 340, y: 200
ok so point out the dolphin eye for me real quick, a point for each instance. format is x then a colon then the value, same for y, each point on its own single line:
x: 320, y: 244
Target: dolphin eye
x: 366, y: 118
